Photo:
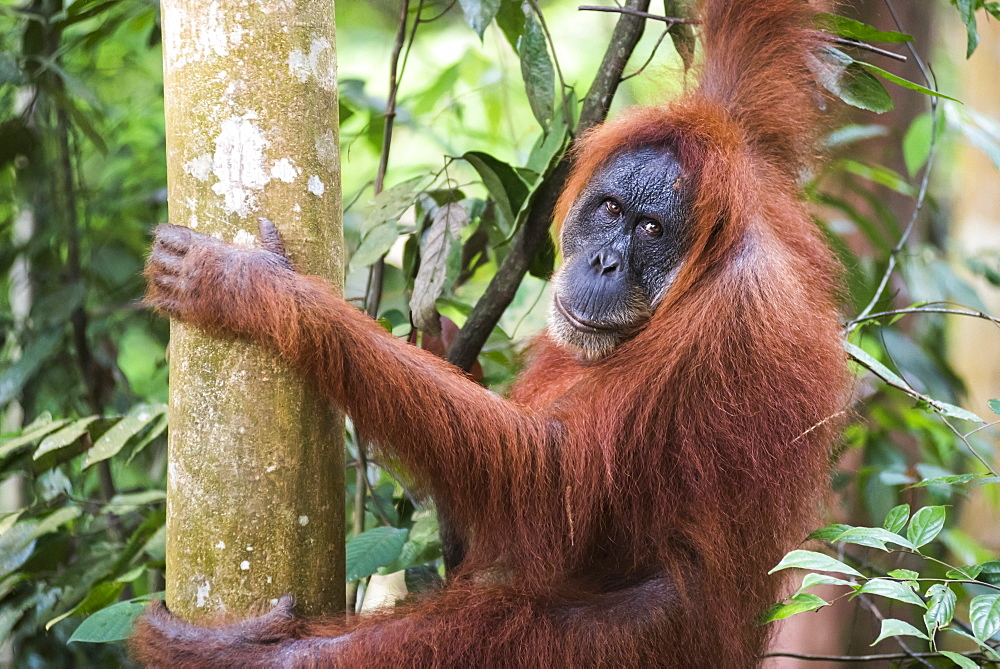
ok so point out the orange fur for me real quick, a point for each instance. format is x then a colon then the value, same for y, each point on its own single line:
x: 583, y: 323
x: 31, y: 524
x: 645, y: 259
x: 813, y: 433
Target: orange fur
x: 618, y: 513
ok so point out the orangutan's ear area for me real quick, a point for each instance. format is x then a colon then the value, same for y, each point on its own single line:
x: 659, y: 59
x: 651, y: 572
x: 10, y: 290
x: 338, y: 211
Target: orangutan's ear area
x: 659, y: 453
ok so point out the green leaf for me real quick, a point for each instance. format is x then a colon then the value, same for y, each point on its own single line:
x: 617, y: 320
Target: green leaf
x: 967, y: 10
x: 841, y: 75
x: 961, y: 660
x: 967, y: 572
x: 18, y: 542
x: 893, y: 590
x: 799, y: 603
x: 800, y: 559
x: 925, y: 525
x: 987, y: 572
x: 894, y: 627
x: 373, y: 549
x: 536, y: 68
x: 905, y: 83
x: 878, y: 174
x: 917, y: 144
x: 375, y: 244
x: 875, y: 537
x: 112, y: 441
x: 955, y: 479
x: 38, y: 428
x: 99, y: 596
x: 994, y: 406
x: 35, y: 354
x: 67, y: 436
x: 984, y: 614
x: 829, y: 533
x: 111, y: 624
x: 993, y: 8
x: 940, y: 607
x: 479, y: 14
x: 504, y: 184
x: 389, y: 205
x: 510, y: 18
x: 811, y: 580
x: 896, y: 519
x: 851, y: 29
x: 904, y: 574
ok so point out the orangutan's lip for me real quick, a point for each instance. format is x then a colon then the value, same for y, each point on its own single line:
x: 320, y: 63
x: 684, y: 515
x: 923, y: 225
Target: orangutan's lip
x: 581, y: 324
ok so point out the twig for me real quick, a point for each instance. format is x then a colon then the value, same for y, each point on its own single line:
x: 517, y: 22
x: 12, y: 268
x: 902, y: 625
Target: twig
x: 528, y: 239
x: 635, y: 12
x: 652, y: 53
x: 373, y: 294
x: 876, y: 657
x: 854, y: 322
x: 868, y: 47
x: 870, y: 605
x: 924, y: 181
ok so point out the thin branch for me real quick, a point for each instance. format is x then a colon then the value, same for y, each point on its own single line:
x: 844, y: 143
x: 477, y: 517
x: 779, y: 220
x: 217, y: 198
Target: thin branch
x: 528, y: 239
x: 924, y: 181
x: 672, y: 20
x: 868, y: 47
x: 870, y: 605
x: 656, y: 47
x: 854, y: 322
x: 931, y: 402
x: 876, y: 657
x: 373, y: 294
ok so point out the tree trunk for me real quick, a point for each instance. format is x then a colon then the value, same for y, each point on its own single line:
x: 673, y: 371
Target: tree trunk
x: 255, y: 481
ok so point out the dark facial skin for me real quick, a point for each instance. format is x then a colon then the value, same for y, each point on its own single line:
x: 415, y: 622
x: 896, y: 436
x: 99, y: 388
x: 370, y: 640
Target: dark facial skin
x: 622, y: 242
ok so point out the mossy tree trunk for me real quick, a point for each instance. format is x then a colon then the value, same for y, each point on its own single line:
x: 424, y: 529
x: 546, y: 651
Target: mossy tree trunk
x: 255, y: 479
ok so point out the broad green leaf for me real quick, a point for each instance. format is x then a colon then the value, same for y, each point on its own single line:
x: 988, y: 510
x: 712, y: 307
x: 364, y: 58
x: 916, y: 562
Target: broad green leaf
x: 987, y: 572
x: 111, y: 624
x: 19, y: 372
x: 100, y: 596
x: 955, y: 479
x: 841, y: 75
x: 830, y: 532
x: 917, y: 144
x: 510, y: 18
x: 967, y: 10
x: 18, y: 542
x: 536, y: 68
x: 479, y: 13
x: 994, y: 406
x: 67, y: 436
x: 799, y: 603
x: 375, y: 244
x: 894, y: 627
x: 440, y: 260
x: 812, y: 579
x: 955, y: 412
x: 905, y: 574
x: 504, y: 184
x: 800, y: 559
x: 893, y: 590
x: 112, y: 441
x: 389, y: 205
x: 38, y: 428
x: 896, y: 519
x: 373, y: 549
x: 925, y: 525
x: 993, y: 8
x: 960, y: 660
x: 875, y: 537
x: 878, y: 174
x: 940, y: 607
x: 852, y: 133
x: 851, y: 29
x: 970, y: 572
x: 905, y: 83
x: 984, y: 615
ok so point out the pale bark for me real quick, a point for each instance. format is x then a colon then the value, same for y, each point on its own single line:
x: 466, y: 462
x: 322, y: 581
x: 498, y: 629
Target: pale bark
x: 255, y: 481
